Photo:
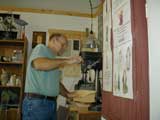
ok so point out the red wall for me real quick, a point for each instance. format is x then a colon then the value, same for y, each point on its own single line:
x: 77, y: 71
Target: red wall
x: 116, y: 108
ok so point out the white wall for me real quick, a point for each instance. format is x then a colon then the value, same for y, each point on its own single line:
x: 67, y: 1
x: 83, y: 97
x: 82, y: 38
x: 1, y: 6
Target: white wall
x: 154, y: 57
x: 43, y: 22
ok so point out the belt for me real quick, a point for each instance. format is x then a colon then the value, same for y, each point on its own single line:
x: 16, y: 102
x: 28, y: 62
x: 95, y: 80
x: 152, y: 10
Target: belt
x: 35, y: 95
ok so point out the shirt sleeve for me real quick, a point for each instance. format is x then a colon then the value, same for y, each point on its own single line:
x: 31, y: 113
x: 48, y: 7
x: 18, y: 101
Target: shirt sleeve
x: 38, y: 52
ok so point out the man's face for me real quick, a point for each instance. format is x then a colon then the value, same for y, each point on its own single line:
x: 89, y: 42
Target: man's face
x: 63, y: 46
x: 60, y: 44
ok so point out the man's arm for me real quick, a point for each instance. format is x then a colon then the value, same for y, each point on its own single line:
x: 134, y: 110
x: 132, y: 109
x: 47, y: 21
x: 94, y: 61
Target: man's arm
x: 48, y: 64
x: 63, y: 91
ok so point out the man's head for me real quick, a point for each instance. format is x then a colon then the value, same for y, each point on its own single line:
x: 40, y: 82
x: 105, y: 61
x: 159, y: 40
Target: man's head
x: 58, y: 43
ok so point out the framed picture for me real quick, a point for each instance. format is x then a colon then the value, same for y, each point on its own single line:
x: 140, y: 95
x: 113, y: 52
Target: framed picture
x: 8, y: 23
x: 38, y: 38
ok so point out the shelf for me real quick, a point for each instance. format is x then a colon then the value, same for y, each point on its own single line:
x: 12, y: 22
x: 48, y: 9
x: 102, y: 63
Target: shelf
x: 14, y: 66
x: 9, y: 106
x: 10, y: 86
x: 11, y: 42
x: 12, y: 63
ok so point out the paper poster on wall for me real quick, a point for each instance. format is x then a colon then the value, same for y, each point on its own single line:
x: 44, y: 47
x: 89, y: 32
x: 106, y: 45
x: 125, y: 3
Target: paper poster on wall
x: 122, y: 81
x: 72, y: 71
x: 107, y: 69
x: 107, y: 53
x: 122, y: 43
x: 73, y: 49
x: 121, y: 23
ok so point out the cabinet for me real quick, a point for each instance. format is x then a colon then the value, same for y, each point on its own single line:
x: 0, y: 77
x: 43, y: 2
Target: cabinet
x: 13, y: 57
x: 89, y: 115
x: 82, y: 113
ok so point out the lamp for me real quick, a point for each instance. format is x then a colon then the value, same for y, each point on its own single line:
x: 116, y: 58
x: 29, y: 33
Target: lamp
x: 91, y: 42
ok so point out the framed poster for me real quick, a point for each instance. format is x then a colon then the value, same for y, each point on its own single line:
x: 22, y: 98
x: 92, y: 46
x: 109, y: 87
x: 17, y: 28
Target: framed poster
x: 38, y: 38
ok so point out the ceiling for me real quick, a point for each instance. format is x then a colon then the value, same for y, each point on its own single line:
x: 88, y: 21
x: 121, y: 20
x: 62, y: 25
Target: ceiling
x: 80, y: 6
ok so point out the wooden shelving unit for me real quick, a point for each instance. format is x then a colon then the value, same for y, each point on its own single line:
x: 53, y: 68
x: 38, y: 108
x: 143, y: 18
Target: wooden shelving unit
x: 2, y: 86
x: 13, y: 41
x: 13, y: 67
x: 12, y: 63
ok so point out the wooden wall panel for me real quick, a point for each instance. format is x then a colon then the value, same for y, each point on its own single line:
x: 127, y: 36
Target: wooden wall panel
x: 116, y: 108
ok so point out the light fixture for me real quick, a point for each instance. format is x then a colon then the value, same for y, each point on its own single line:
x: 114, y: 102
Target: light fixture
x: 91, y: 41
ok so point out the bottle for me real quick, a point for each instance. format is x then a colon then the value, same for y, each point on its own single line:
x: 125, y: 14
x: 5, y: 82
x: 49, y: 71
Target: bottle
x: 13, y: 80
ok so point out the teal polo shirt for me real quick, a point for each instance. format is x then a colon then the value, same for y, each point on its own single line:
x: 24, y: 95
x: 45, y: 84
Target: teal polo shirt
x: 38, y: 81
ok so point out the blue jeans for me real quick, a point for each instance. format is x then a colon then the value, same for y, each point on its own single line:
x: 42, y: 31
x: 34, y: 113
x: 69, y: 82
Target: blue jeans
x: 38, y: 109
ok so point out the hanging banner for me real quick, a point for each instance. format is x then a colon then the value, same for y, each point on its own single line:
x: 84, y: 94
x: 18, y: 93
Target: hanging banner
x: 122, y: 43
x: 107, y: 52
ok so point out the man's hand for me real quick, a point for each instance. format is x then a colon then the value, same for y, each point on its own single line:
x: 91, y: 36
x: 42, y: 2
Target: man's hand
x: 75, y: 60
x: 71, y: 95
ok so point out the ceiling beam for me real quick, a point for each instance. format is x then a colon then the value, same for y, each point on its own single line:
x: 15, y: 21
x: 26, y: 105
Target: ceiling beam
x: 99, y: 10
x: 57, y: 12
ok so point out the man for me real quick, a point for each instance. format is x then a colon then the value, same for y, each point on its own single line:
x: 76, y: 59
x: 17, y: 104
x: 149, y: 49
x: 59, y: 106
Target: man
x: 43, y: 79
